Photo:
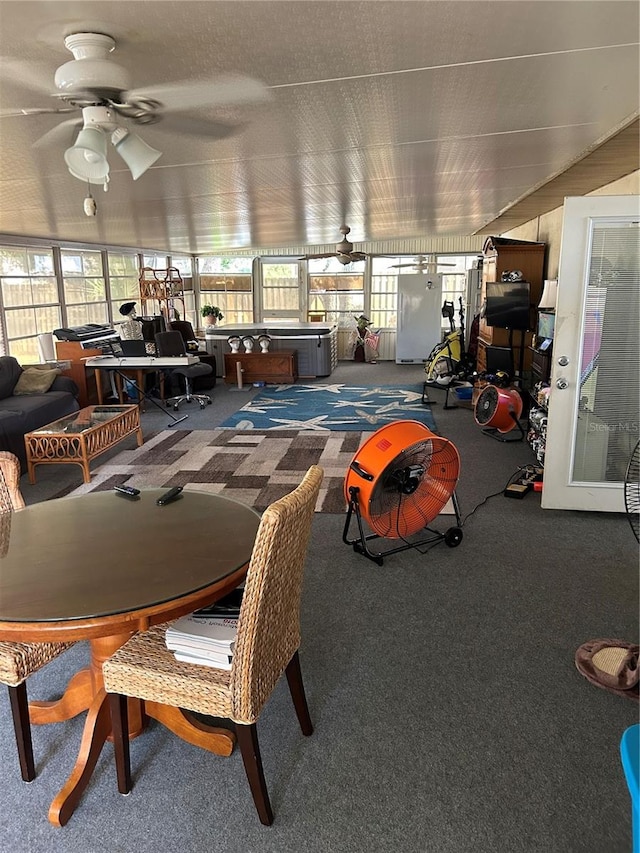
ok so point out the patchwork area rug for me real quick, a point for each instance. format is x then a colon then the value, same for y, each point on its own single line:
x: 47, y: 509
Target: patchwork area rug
x: 331, y: 407
x: 254, y: 467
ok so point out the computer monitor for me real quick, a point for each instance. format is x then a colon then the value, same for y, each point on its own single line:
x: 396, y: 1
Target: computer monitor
x: 133, y: 348
x: 546, y: 325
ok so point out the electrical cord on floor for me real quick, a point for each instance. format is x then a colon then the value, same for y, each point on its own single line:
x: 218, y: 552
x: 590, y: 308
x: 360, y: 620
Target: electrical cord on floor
x: 526, y: 469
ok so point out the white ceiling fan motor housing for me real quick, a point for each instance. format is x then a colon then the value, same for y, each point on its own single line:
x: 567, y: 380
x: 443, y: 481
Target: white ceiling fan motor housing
x: 99, y: 117
x: 90, y: 69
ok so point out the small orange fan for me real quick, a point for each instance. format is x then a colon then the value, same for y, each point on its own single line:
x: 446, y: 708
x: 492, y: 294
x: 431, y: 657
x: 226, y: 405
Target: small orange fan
x: 499, y: 410
x: 400, y: 480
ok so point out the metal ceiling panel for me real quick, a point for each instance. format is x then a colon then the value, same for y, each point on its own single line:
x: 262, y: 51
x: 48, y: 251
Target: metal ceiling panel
x: 406, y: 120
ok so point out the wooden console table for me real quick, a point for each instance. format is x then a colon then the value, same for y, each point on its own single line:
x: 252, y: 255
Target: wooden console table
x: 277, y: 366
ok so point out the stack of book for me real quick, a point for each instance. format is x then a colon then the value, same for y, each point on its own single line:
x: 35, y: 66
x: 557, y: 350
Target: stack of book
x: 207, y: 636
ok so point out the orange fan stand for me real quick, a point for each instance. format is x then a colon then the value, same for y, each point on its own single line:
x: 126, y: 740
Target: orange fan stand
x: 498, y: 410
x: 399, y: 480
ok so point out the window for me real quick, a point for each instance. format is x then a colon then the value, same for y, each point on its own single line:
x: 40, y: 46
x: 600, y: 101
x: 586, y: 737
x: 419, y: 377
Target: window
x: 383, y: 311
x: 454, y: 286
x: 336, y: 291
x: 84, y: 286
x: 184, y: 266
x: 29, y: 298
x: 384, y: 285
x: 156, y: 262
x: 227, y: 283
x: 281, y: 295
x: 123, y: 281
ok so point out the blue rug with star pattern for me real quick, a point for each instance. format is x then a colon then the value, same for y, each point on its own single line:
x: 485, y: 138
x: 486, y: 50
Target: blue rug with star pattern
x: 332, y: 407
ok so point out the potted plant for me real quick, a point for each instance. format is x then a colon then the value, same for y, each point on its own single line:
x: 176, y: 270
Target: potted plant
x: 211, y: 314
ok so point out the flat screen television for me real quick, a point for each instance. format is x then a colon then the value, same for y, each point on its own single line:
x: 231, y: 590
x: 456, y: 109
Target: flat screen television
x: 507, y: 305
x: 546, y: 324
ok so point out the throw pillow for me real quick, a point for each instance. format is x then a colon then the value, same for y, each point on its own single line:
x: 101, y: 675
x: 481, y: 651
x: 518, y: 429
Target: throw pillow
x: 34, y: 380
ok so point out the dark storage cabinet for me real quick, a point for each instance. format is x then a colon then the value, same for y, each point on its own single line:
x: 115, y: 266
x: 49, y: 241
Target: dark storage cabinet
x: 500, y: 255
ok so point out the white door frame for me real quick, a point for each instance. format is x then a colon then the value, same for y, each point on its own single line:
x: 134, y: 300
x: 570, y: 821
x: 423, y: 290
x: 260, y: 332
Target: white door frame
x: 559, y: 490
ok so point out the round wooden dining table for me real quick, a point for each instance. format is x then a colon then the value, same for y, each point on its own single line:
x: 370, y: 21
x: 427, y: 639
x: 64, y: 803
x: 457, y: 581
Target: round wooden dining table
x: 100, y: 567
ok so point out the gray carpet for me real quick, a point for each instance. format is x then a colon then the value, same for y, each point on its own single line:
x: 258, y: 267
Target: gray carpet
x: 449, y: 716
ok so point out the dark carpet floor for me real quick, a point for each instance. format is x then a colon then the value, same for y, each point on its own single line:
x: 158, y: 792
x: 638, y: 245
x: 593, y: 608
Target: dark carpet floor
x: 449, y: 716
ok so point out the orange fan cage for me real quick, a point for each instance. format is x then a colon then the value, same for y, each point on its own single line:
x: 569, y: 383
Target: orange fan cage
x: 498, y: 408
x: 405, y: 474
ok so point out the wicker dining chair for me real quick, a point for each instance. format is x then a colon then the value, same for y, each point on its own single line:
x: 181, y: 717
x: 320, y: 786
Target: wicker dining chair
x: 266, y: 645
x: 19, y: 660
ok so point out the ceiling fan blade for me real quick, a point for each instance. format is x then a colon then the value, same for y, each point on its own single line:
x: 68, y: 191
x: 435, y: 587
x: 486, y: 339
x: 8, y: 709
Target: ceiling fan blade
x: 198, y: 127
x: 424, y: 265
x: 358, y: 256
x: 223, y: 91
x: 322, y: 255
x: 36, y: 111
x: 61, y: 133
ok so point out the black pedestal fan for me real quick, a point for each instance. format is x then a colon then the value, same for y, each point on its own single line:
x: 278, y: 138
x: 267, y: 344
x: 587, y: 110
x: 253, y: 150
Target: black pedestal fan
x: 398, y: 482
x: 632, y: 491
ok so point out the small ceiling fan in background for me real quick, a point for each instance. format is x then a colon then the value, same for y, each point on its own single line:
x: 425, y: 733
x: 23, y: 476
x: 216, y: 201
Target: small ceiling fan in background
x: 422, y: 264
x: 344, y: 250
x: 100, y: 88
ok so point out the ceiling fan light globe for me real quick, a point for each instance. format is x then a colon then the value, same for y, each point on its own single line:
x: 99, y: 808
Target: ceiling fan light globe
x: 134, y: 151
x: 97, y: 181
x: 87, y: 158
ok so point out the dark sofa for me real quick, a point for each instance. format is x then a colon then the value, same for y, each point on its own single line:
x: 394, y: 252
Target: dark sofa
x: 23, y: 413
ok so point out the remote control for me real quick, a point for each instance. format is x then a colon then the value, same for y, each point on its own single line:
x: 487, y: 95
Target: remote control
x: 127, y: 491
x: 172, y: 495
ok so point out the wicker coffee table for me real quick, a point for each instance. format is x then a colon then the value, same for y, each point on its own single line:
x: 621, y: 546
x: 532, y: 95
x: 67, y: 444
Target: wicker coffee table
x: 78, y: 438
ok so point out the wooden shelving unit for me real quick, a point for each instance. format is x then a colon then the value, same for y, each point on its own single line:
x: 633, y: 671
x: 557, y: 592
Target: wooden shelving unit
x: 500, y: 255
x: 160, y: 289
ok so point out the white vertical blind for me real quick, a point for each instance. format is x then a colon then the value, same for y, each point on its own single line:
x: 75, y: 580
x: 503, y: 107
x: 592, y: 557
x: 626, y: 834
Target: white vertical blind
x: 610, y: 362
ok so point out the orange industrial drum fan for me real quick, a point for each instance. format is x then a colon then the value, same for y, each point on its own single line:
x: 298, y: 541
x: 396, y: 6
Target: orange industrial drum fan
x: 498, y: 410
x: 398, y: 482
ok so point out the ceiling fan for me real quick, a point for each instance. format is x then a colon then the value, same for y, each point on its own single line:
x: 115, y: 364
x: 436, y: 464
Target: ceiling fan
x: 344, y: 250
x: 100, y: 89
x: 422, y: 264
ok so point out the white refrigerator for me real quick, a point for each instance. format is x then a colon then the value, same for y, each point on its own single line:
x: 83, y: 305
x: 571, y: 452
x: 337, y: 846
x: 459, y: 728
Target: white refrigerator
x: 419, y: 316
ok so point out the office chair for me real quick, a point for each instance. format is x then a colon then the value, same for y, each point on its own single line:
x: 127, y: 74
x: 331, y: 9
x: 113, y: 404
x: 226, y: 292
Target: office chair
x: 267, y: 643
x: 185, y: 328
x: 203, y: 383
x: 19, y: 660
x: 172, y: 344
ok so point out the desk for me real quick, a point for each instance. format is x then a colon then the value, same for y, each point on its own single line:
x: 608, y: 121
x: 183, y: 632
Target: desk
x: 100, y: 567
x: 137, y: 366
